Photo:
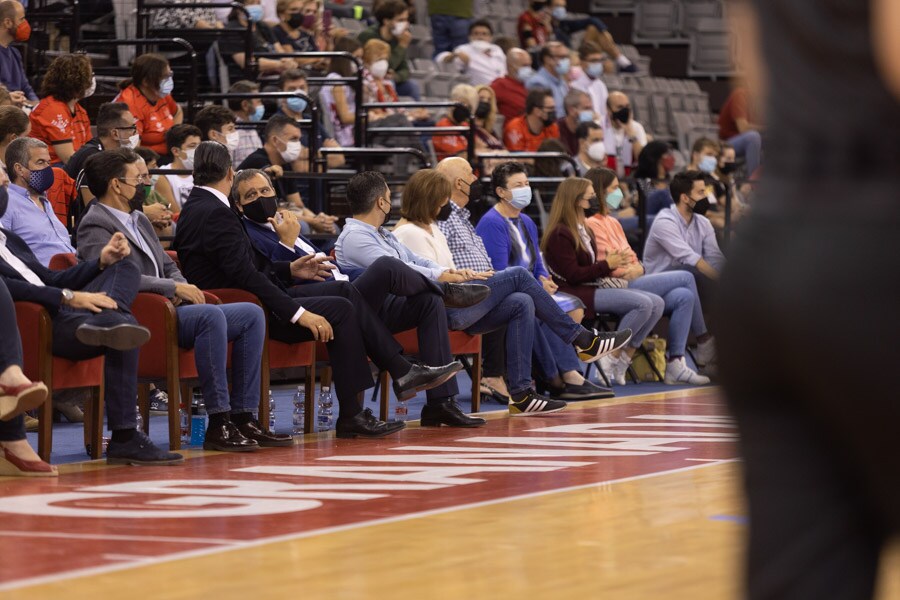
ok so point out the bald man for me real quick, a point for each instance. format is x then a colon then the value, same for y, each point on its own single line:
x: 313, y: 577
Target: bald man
x: 624, y: 137
x: 510, y: 89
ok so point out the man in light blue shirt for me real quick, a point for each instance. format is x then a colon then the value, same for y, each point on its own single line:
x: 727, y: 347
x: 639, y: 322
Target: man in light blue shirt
x: 555, y: 65
x: 29, y: 214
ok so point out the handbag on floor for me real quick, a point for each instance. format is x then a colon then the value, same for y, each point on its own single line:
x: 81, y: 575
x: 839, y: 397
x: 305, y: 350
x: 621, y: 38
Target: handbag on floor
x: 655, y: 348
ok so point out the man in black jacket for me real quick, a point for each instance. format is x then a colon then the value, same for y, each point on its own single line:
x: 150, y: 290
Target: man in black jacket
x: 215, y: 252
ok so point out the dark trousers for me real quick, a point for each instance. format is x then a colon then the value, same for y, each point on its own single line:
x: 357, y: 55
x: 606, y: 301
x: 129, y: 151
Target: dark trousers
x: 10, y: 355
x: 120, y: 282
x: 493, y: 351
x: 814, y: 398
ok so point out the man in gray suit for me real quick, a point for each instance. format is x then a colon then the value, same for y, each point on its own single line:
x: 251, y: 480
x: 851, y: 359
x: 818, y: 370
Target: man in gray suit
x: 114, y: 178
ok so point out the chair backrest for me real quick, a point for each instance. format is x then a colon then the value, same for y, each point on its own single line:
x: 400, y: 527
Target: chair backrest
x: 693, y: 11
x: 656, y: 20
x: 61, y: 262
x: 711, y: 49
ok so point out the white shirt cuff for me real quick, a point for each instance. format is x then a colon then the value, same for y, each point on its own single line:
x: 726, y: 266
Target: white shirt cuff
x: 291, y: 248
x: 298, y: 314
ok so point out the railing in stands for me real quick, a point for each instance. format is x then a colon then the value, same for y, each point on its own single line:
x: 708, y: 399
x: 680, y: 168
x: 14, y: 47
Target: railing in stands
x: 362, y: 134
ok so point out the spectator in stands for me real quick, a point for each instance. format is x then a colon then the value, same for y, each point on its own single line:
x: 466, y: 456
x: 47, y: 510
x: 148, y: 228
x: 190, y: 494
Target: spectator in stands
x: 175, y: 188
x: 233, y: 47
x: 652, y: 175
x: 30, y: 215
x: 14, y: 123
x: 58, y: 119
x: 590, y: 77
x: 510, y: 89
x: 479, y: 59
x: 215, y: 252
x: 525, y: 133
x: 246, y: 111
x: 535, y: 24
x: 339, y: 101
x: 595, y: 32
x: 624, y: 137
x: 298, y: 109
x: 555, y: 66
x: 673, y: 293
x: 486, y: 121
x: 457, y: 116
x: 155, y: 208
x: 116, y: 128
x: 206, y: 328
x: 148, y: 95
x: 184, y: 18
x: 578, y: 110
x: 217, y: 123
x: 552, y: 166
x: 296, y: 30
x: 14, y: 28
x: 740, y: 127
x: 681, y: 237
x: 450, y: 20
x: 393, y: 28
x: 591, y: 148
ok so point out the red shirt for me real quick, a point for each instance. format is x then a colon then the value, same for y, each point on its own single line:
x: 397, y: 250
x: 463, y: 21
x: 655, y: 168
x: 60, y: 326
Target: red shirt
x: 153, y: 120
x: 736, y: 107
x: 61, y: 194
x: 511, y: 95
x: 448, y: 145
x: 53, y: 123
x: 528, y: 21
x: 517, y: 137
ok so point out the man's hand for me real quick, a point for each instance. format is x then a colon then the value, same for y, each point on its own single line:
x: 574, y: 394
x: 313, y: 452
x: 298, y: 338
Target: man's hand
x: 320, y: 327
x: 324, y: 223
x: 18, y: 98
x: 549, y: 285
x: 288, y: 229
x: 94, y: 302
x: 115, y: 250
x: 462, y: 56
x: 274, y: 170
x: 189, y: 293
x: 405, y: 38
x: 311, y: 267
x: 462, y: 275
x: 159, y: 214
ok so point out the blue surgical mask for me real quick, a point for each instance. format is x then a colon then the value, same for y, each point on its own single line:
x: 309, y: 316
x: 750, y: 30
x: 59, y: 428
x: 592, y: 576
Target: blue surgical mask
x: 594, y: 70
x: 708, y: 164
x: 296, y: 104
x: 524, y: 73
x: 563, y: 66
x: 166, y: 86
x: 614, y: 199
x: 559, y: 12
x: 585, y: 116
x: 258, y: 113
x: 521, y: 197
x: 255, y: 12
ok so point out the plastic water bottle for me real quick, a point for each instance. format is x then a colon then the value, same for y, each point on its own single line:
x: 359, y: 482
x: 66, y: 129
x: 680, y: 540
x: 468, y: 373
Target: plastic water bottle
x: 326, y: 410
x: 139, y: 420
x: 401, y: 412
x: 271, y: 412
x: 298, y: 416
x: 185, y: 415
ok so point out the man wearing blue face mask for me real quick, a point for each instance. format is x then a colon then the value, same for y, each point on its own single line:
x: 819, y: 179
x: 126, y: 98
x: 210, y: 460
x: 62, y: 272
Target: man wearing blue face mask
x: 297, y: 109
x: 510, y: 89
x: 246, y: 111
x: 589, y: 77
x: 578, y: 110
x: 555, y: 66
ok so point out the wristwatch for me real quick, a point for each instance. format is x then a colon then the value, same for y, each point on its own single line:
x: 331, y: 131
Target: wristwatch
x: 68, y: 295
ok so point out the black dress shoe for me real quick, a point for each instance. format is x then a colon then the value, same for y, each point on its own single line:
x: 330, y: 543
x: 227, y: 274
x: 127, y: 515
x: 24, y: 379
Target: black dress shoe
x: 448, y: 413
x: 586, y: 391
x: 266, y: 439
x: 423, y: 377
x: 366, y: 425
x: 124, y: 336
x: 228, y: 438
x: 463, y: 295
x: 139, y: 450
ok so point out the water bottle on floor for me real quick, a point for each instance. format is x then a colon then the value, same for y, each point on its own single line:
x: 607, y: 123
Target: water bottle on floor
x: 271, y: 412
x: 326, y: 409
x: 401, y: 412
x: 185, y: 415
x: 299, y: 411
x: 139, y: 420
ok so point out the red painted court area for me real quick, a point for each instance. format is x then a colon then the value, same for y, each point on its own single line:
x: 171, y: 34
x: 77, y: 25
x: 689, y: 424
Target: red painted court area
x: 115, y: 517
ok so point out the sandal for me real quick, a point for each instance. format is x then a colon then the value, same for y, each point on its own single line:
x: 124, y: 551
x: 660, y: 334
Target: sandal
x: 21, y: 398
x: 488, y: 391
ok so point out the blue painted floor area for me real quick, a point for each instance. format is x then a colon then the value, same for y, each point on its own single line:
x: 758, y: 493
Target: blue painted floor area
x: 68, y: 438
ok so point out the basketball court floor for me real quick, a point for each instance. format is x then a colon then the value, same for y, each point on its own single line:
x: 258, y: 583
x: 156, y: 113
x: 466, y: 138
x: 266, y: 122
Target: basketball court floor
x: 631, y: 498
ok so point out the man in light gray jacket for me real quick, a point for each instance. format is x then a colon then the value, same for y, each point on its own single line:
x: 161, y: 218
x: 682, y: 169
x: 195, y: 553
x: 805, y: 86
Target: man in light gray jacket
x: 114, y: 178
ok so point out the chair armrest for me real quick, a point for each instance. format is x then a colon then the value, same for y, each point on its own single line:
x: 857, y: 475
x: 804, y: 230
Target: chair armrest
x: 156, y: 313
x: 34, y: 325
x: 232, y: 295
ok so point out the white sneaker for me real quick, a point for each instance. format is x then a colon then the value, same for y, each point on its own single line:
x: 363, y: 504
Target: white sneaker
x: 678, y: 373
x: 706, y: 353
x: 607, y: 364
x: 620, y: 368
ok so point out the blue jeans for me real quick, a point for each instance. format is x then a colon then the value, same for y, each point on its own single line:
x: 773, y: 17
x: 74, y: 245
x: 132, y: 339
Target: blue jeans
x: 409, y: 88
x: 553, y: 356
x: 448, y: 32
x: 678, y: 290
x: 748, y: 145
x: 516, y: 298
x: 207, y: 328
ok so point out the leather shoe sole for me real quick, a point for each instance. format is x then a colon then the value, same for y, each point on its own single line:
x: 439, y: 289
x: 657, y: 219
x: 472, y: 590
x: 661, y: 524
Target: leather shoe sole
x: 465, y: 295
x: 437, y: 422
x: 395, y: 426
x: 118, y: 337
x: 230, y: 448
x: 407, y: 394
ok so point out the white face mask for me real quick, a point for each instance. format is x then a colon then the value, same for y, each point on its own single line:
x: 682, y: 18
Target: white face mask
x: 597, y: 151
x: 399, y: 27
x: 481, y: 45
x: 154, y: 179
x: 132, y: 142
x: 379, y: 69
x: 91, y: 89
x: 188, y: 158
x: 232, y: 140
x: 292, y: 152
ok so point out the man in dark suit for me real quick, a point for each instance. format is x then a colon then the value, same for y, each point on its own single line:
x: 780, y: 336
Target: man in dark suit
x: 89, y: 304
x: 114, y: 179
x: 215, y: 252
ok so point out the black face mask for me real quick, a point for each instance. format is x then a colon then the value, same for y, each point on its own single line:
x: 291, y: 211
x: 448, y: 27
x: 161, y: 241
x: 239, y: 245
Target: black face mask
x: 136, y: 202
x: 622, y: 115
x: 444, y: 213
x: 387, y: 215
x: 296, y: 20
x: 483, y: 110
x: 550, y: 119
x: 4, y: 200
x: 727, y: 168
x: 701, y: 206
x: 593, y: 208
x: 537, y: 6
x: 461, y: 114
x: 262, y: 209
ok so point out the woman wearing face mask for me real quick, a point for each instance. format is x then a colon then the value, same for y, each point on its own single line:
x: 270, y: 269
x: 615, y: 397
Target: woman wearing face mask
x: 655, y: 165
x: 393, y: 28
x: 377, y: 88
x: 339, y: 101
x: 584, y: 264
x: 264, y: 40
x: 58, y: 119
x: 148, y: 95
x: 299, y: 30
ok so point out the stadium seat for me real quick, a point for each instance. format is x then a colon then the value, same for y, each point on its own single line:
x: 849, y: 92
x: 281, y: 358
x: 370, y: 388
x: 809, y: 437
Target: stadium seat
x: 656, y: 21
x: 612, y: 6
x: 693, y: 11
x: 711, y: 50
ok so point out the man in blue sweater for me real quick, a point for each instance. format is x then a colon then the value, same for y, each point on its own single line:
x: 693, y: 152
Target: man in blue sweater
x: 14, y: 28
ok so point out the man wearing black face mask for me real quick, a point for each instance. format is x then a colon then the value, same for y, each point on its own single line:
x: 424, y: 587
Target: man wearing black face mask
x: 624, y: 137
x: 682, y: 238
x: 115, y: 180
x: 528, y: 132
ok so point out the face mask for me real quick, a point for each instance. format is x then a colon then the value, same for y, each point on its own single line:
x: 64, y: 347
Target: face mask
x: 475, y: 191
x: 147, y: 190
x: 387, y: 215
x: 399, y: 27
x: 154, y: 179
x: 585, y: 116
x: 668, y: 162
x: 132, y: 142
x: 258, y: 113
x: 563, y: 66
x: 379, y: 69
x: 593, y: 208
x: 622, y: 115
x: 188, y: 158
x: 255, y: 13
x: 483, y: 110
x: 521, y: 197
x: 727, y: 168
x: 597, y: 151
x: 708, y: 164
x: 444, y: 213
x: 524, y: 74
x: 91, y: 88
x: 594, y: 70
x: 23, y: 31
x: 262, y: 209
x: 559, y: 12
x: 41, y: 181
x: 296, y: 20
x: 136, y: 202
x: 232, y: 140
x: 296, y: 104
x: 166, y: 86
x: 292, y: 152
x: 550, y: 119
x: 614, y: 199
x: 701, y: 206
x: 461, y: 114
x: 481, y: 45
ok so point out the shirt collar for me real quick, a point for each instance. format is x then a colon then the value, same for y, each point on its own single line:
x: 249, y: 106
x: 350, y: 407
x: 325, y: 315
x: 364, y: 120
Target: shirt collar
x: 217, y: 194
x: 18, y: 189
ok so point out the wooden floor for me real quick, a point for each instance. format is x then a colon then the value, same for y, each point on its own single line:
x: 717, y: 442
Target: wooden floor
x: 637, y: 498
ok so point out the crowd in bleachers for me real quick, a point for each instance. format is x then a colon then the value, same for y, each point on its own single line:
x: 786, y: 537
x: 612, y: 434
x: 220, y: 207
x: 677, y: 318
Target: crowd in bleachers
x: 169, y: 185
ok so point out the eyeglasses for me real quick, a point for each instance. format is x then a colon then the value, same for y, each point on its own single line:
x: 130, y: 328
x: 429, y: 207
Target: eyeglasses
x: 131, y: 128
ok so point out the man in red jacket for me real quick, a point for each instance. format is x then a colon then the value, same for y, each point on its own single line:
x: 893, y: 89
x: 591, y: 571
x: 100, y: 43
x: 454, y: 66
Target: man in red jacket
x: 510, y: 89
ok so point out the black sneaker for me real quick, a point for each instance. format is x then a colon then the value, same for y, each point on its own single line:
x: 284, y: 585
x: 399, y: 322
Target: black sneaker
x: 159, y: 402
x: 586, y: 391
x: 140, y: 450
x: 534, y: 404
x: 603, y: 343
